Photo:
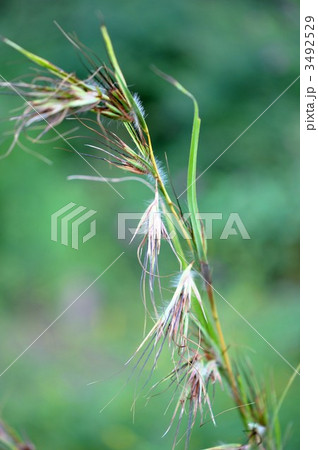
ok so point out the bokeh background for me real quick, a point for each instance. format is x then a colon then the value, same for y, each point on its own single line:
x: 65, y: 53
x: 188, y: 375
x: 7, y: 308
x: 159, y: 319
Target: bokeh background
x: 236, y: 57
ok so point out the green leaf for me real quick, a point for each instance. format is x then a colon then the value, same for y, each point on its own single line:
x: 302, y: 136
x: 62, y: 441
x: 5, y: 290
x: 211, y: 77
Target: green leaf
x: 113, y: 59
x: 275, y: 420
x: 41, y: 61
x: 192, y: 167
x: 119, y: 75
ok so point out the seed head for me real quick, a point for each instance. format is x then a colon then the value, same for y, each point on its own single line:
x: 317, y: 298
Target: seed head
x: 199, y: 373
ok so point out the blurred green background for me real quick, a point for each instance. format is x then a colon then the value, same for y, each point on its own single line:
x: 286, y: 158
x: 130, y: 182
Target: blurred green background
x: 236, y: 57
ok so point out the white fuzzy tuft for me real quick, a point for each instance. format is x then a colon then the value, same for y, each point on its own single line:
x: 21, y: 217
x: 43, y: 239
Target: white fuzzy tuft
x: 139, y: 105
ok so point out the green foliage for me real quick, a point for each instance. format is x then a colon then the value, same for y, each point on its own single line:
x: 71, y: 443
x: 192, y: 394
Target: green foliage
x: 237, y: 59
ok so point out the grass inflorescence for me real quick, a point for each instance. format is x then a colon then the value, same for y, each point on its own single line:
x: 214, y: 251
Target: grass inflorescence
x: 188, y: 323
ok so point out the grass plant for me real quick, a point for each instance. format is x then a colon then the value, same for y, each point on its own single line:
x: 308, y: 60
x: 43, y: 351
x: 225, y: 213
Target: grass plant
x: 189, y: 322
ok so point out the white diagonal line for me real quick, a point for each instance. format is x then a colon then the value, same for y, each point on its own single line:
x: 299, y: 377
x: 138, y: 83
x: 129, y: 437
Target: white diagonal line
x: 257, y: 332
x: 250, y: 325
x: 238, y: 137
x: 57, y: 132
x: 244, y: 319
x: 59, y: 316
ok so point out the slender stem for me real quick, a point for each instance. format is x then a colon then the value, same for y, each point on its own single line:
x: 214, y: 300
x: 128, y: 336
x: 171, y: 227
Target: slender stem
x: 205, y: 270
x: 165, y: 193
x: 206, y: 273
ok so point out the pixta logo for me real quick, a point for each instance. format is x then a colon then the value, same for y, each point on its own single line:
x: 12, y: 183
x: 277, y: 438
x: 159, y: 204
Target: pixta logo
x: 67, y: 226
x: 233, y: 226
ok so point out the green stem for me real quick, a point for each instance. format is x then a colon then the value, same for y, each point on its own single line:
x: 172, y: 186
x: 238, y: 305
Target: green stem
x: 166, y: 195
x: 206, y: 274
